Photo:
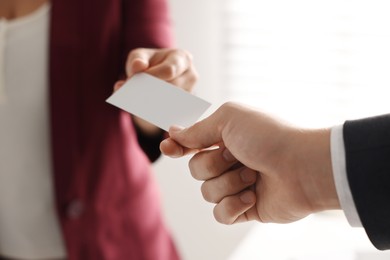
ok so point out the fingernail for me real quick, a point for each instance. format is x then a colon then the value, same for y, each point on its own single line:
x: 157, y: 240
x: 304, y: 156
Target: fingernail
x: 177, y: 154
x: 228, y: 156
x: 247, y: 198
x: 176, y: 129
x: 173, y: 154
x: 247, y: 176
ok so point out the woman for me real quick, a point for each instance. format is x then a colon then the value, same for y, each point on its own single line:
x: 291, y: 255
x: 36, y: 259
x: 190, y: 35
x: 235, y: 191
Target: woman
x: 75, y: 182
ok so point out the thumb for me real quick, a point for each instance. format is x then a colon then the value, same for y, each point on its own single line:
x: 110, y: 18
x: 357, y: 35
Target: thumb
x: 204, y: 134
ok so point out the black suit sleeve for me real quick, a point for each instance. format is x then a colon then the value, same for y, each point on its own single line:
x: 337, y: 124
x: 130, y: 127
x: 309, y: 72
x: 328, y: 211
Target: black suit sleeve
x: 367, y: 145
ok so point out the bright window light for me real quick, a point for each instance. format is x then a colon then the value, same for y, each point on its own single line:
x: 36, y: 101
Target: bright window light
x: 310, y: 61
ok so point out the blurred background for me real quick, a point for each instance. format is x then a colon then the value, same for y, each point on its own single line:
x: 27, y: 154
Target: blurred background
x: 314, y: 63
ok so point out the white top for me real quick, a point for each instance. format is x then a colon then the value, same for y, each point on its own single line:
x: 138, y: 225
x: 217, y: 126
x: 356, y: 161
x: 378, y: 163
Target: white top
x: 340, y: 176
x: 29, y: 225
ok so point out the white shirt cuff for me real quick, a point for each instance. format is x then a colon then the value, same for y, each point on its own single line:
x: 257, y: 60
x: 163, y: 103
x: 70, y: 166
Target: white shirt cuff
x: 340, y: 176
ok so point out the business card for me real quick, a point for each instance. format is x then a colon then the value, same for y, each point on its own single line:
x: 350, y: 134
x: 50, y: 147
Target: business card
x: 158, y: 102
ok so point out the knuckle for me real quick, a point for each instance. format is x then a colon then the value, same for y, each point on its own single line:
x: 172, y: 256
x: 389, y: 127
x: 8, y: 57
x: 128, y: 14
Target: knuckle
x: 225, y: 184
x: 228, y: 116
x: 183, y: 53
x: 168, y: 71
x: 228, y: 106
x: 182, y: 57
x: 193, y: 76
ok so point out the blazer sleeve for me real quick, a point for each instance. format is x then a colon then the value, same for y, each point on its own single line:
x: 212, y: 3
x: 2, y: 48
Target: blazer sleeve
x: 367, y: 146
x: 146, y: 24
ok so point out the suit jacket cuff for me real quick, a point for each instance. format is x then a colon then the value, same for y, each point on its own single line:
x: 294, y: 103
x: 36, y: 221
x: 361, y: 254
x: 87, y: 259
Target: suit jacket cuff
x: 367, y: 146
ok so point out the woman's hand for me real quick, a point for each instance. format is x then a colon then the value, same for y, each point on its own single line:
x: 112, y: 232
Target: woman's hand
x: 172, y: 65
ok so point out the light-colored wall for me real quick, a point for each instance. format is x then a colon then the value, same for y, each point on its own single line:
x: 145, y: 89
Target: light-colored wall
x: 198, y: 235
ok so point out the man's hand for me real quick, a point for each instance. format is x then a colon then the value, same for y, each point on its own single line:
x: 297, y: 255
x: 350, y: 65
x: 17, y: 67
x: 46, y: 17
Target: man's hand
x: 263, y: 169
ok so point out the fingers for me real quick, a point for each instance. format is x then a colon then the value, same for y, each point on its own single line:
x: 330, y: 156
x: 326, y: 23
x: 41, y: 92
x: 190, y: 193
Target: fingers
x: 209, y: 164
x: 227, y: 184
x: 234, y: 209
x: 172, y: 65
x: 172, y: 149
x: 187, y: 80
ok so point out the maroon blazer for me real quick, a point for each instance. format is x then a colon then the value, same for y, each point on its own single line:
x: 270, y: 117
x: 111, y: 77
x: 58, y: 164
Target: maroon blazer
x: 106, y: 197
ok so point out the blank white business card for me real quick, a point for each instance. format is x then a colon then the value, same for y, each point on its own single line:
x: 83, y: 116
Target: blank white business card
x: 158, y: 102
